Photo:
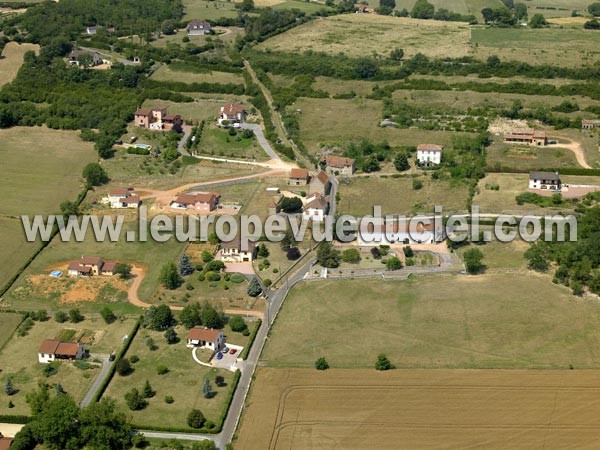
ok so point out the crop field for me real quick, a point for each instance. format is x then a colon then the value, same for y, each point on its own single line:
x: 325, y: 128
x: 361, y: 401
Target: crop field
x: 56, y: 172
x: 15, y: 248
x: 531, y: 158
x: 12, y: 59
x: 183, y: 382
x: 556, y: 8
x: 364, y: 34
x: 397, y: 196
x: 448, y: 321
x: 356, y: 409
x: 20, y: 358
x: 149, y: 255
x: 166, y: 73
x: 337, y: 122
x: 555, y: 46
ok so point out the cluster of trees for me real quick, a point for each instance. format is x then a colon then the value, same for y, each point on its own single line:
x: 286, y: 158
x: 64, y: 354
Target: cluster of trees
x: 328, y: 256
x: 194, y: 314
x: 58, y: 423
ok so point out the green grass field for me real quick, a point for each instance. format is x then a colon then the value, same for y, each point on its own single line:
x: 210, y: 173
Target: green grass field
x: 8, y: 324
x: 397, y: 196
x: 20, y: 359
x: 556, y: 8
x: 459, y: 6
x: 12, y: 59
x: 489, y: 321
x: 217, y: 142
x: 166, y: 73
x: 206, y: 10
x: 184, y: 382
x: 15, y: 248
x: 308, y: 7
x: 555, y: 46
x: 518, y: 157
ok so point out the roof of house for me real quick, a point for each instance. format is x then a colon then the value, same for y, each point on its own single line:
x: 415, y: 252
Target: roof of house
x: 67, y: 348
x: 172, y: 116
x: 119, y: 192
x: 143, y: 112
x: 195, y: 23
x: 49, y: 346
x: 322, y: 177
x: 536, y: 175
x: 109, y: 266
x: 318, y: 202
x: 590, y: 121
x: 299, y: 173
x: 132, y: 199
x: 233, y: 108
x: 5, y: 442
x: 91, y: 260
x: 76, y: 265
x: 338, y: 161
x: 199, y: 197
x: 203, y: 334
x: 77, y: 53
x: 430, y: 147
x: 236, y: 244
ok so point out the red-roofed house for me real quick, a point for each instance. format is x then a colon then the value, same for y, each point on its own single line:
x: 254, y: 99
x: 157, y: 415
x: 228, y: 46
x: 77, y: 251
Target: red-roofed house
x: 52, y: 349
x: 5, y: 442
x: 338, y: 165
x: 206, y: 338
x: 298, y: 177
x: 157, y: 118
x: 320, y: 183
x: 429, y: 154
x: 526, y: 136
x: 232, y: 113
x: 200, y: 201
x: 198, y: 27
x: 122, y: 198
x: 90, y: 265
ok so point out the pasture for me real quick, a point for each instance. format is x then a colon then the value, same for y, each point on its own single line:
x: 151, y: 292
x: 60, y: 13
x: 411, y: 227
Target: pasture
x: 20, y: 358
x: 12, y: 60
x: 219, y: 143
x: 397, y: 196
x: 172, y: 73
x: 444, y: 321
x: 529, y: 158
x: 555, y: 46
x: 556, y: 8
x: 365, y: 34
x: 15, y: 248
x: 8, y: 324
x: 357, y: 409
x: 183, y: 382
x: 206, y: 10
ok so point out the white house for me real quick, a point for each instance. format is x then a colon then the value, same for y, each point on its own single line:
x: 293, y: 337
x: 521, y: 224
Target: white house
x: 51, y: 350
x: 429, y: 154
x: 198, y: 27
x: 316, y: 208
x: 414, y: 230
x: 122, y: 198
x: 206, y: 338
x: 545, y: 181
x: 232, y: 113
x: 232, y: 251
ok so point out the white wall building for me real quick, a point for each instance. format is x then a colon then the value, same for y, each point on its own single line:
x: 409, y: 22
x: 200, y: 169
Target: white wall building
x: 429, y: 154
x: 206, y: 338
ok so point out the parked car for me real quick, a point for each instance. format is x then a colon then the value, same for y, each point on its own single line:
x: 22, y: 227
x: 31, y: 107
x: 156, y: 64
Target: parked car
x: 233, y: 351
x: 219, y: 355
x: 225, y: 350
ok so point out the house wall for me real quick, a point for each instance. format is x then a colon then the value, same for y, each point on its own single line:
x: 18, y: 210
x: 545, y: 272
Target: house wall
x: 314, y: 214
x: 141, y: 121
x: 45, y: 358
x: 428, y: 156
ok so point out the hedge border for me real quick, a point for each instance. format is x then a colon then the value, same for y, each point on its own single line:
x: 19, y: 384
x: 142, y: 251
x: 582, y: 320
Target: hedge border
x: 21, y: 420
x: 563, y: 171
x: 111, y: 373
x: 230, y: 394
x: 251, y: 340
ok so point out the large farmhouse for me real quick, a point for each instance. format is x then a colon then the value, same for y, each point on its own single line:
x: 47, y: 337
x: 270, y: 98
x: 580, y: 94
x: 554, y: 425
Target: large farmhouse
x: 206, y: 338
x: 51, y: 350
x: 232, y: 114
x: 91, y: 265
x: 526, y: 136
x: 204, y: 202
x: 122, y: 198
x: 338, y: 165
x: 233, y: 251
x: 157, y: 118
x: 544, y: 181
x: 429, y: 154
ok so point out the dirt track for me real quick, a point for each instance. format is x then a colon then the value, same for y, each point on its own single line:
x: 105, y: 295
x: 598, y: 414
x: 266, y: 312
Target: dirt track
x: 577, y: 150
x: 424, y: 409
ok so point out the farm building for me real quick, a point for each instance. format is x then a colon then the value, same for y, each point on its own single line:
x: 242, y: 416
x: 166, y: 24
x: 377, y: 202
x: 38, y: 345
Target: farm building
x: 316, y: 208
x: 206, y: 338
x: 232, y: 113
x: 122, y: 198
x: 298, y: 177
x: 320, y: 183
x: 200, y: 201
x: 590, y: 124
x: 429, y: 154
x: 198, y: 27
x: 526, y: 136
x: 51, y: 350
x: 544, y: 181
x: 338, y: 165
x: 91, y: 265
x: 233, y: 251
x: 157, y: 118
x: 75, y: 54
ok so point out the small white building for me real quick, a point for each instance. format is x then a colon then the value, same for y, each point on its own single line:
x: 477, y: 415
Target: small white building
x: 198, y: 27
x: 232, y: 251
x: 545, y: 181
x: 52, y: 350
x: 421, y: 231
x: 429, y: 154
x: 122, y: 198
x: 316, y: 208
x: 206, y: 338
x: 231, y: 114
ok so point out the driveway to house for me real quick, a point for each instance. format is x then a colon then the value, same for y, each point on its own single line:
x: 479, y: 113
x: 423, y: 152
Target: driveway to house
x: 106, y: 364
x: 260, y: 137
x: 187, y: 129
x: 576, y: 148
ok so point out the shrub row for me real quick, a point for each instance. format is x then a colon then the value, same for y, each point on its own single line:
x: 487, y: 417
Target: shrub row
x: 247, y: 348
x: 15, y: 419
x: 562, y: 171
x: 230, y: 394
x: 138, y: 151
x: 113, y: 368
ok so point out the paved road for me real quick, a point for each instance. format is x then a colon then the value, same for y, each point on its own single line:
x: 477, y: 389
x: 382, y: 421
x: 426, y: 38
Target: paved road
x: 181, y: 144
x: 260, y: 137
x: 96, y: 385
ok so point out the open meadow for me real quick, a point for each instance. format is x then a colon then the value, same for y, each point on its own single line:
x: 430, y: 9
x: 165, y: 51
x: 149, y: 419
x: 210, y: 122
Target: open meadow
x: 397, y: 195
x: 171, y: 73
x: 500, y: 155
x: 19, y: 358
x: 207, y: 10
x: 444, y: 321
x: 12, y: 59
x: 183, y: 381
x: 357, y: 409
x: 365, y: 34
x: 16, y: 250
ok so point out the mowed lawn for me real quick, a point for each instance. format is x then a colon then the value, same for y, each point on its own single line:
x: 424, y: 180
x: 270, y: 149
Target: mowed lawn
x: 206, y: 10
x: 529, y: 158
x: 183, y: 382
x: 167, y: 73
x: 12, y: 59
x: 8, y: 324
x: 337, y: 122
x: 554, y: 46
x: 365, y: 34
x: 41, y: 168
x: 510, y: 321
x: 19, y: 358
x: 397, y: 196
x: 16, y: 250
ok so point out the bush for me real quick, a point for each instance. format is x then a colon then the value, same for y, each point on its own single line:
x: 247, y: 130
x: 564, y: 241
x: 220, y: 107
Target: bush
x: 293, y: 253
x: 267, y: 282
x: 214, y: 266
x: 254, y: 288
x: 237, y: 278
x: 321, y: 364
x: 195, y: 419
x: 108, y: 315
x: 161, y: 369
x: 417, y: 184
x: 472, y: 259
x: 213, y: 276
x: 61, y: 316
x: 408, y: 251
x: 134, y: 359
x: 169, y: 400
x: 75, y: 316
x: 135, y: 401
x: 351, y: 255
x: 124, y: 367
x: 393, y: 263
x: 237, y: 324
x: 51, y: 369
x: 383, y: 363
